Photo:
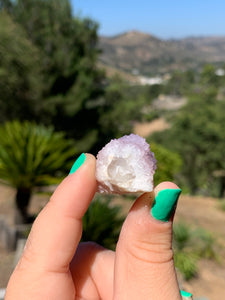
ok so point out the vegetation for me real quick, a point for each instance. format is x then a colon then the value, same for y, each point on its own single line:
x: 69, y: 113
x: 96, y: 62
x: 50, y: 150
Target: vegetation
x: 20, y: 77
x: 122, y: 104
x: 131, y: 52
x: 64, y: 48
x: 102, y: 223
x: 197, y: 135
x: 222, y: 205
x: 190, y: 245
x: 30, y: 156
x: 168, y: 163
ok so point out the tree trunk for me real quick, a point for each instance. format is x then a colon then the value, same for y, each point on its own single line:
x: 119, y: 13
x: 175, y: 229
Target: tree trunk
x: 222, y: 187
x: 191, y: 173
x: 23, y: 196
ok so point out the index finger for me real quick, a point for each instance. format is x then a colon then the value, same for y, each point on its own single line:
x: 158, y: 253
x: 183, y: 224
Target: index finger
x: 57, y: 230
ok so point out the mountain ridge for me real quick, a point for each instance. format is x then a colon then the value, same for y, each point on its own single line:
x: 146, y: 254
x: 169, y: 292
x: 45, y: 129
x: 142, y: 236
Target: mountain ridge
x: 135, y: 50
x: 134, y: 31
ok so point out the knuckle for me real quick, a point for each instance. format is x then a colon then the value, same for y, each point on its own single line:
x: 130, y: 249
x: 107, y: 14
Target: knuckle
x: 151, y: 253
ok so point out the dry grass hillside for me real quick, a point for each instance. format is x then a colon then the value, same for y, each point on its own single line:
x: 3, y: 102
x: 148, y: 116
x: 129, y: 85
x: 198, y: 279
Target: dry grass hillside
x: 151, y: 55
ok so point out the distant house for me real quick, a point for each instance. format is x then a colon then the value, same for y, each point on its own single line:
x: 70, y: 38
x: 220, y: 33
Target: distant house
x: 169, y: 102
x: 149, y: 80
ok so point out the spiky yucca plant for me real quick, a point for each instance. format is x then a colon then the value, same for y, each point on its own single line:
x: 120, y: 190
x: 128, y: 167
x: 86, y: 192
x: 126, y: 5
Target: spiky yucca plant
x: 31, y: 155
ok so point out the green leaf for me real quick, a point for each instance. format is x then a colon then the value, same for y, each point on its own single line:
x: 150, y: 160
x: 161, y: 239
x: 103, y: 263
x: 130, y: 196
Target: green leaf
x: 33, y: 155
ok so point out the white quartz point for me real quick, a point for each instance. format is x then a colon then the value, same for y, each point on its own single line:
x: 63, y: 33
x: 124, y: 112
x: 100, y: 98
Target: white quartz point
x: 125, y: 165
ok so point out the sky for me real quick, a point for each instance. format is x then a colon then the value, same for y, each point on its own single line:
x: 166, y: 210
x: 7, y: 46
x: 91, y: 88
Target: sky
x: 162, y: 18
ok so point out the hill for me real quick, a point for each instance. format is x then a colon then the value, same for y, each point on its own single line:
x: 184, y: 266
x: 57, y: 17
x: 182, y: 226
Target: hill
x: 137, y: 52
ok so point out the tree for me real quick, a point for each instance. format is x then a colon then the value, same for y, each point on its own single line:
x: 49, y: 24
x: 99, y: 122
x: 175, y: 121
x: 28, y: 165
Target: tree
x: 197, y: 135
x: 20, y: 78
x: 32, y: 155
x: 68, y: 50
x: 120, y: 106
x: 208, y: 76
x: 68, y: 46
x: 180, y: 83
x: 169, y: 163
x: 5, y: 5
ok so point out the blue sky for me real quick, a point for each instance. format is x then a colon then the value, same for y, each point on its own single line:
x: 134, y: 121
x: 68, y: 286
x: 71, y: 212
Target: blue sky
x: 162, y: 18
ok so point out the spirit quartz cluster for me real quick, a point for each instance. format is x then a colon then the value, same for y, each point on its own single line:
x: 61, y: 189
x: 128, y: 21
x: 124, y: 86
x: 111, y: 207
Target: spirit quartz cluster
x: 125, y: 165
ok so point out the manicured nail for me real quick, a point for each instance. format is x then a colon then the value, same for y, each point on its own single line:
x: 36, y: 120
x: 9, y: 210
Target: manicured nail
x: 186, y: 295
x: 79, y: 162
x: 165, y: 203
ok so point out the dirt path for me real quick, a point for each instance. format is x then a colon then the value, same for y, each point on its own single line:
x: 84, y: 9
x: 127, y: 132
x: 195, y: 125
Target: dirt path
x: 147, y: 128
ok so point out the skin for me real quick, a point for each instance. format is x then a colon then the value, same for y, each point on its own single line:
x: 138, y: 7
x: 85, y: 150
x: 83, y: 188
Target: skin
x: 54, y: 266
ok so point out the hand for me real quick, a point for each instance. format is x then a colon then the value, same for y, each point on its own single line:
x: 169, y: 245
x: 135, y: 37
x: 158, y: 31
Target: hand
x: 55, y: 266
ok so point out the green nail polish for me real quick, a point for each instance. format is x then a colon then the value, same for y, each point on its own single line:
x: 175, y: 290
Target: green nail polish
x: 79, y: 162
x: 186, y: 295
x: 165, y: 204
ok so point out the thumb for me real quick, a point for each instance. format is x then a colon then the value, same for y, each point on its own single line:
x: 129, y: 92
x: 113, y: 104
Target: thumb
x: 144, y: 267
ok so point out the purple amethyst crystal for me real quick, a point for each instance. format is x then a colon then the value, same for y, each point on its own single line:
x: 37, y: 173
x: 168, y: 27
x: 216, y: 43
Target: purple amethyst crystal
x: 125, y: 165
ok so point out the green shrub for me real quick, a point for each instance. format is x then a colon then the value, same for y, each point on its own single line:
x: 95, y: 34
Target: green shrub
x: 190, y: 245
x: 205, y: 243
x: 102, y: 223
x: 182, y: 236
x: 222, y: 204
x: 168, y: 163
x: 186, y: 263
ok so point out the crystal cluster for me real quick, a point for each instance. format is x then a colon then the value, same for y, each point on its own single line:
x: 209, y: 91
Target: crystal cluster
x: 125, y: 165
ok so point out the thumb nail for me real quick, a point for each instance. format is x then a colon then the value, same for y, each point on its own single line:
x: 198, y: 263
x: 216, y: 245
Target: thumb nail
x: 164, y: 204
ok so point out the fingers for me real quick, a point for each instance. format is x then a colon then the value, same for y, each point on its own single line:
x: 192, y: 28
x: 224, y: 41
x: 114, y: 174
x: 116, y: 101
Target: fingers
x: 144, y: 267
x: 92, y: 269
x: 43, y: 270
x: 57, y: 230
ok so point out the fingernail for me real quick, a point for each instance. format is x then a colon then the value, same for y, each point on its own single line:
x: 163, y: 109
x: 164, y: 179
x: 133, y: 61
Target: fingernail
x: 79, y: 162
x: 186, y: 295
x: 164, y: 204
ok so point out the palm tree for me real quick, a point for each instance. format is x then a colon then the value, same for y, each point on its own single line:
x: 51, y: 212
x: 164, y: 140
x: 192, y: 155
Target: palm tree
x: 31, y: 155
